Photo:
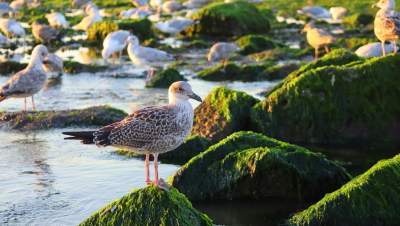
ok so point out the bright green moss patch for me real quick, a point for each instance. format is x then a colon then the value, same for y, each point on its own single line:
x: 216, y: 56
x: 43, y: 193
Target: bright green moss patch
x: 348, y: 104
x: 229, y: 19
x: 222, y: 112
x: 253, y: 166
x: 255, y: 43
x: 92, y: 116
x: 98, y: 31
x: 165, y: 78
x: 149, y: 206
x: 142, y: 28
x: 370, y: 199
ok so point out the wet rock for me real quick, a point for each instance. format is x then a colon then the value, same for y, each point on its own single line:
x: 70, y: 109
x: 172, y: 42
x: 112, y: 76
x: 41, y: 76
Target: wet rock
x: 370, y: 199
x: 354, y: 43
x: 255, y: 43
x: 92, y: 116
x: 234, y: 72
x: 193, y: 146
x: 99, y: 31
x: 247, y: 165
x: 11, y: 67
x: 74, y: 67
x: 229, y: 19
x: 223, y: 112
x: 149, y: 206
x: 345, y: 104
x: 164, y: 78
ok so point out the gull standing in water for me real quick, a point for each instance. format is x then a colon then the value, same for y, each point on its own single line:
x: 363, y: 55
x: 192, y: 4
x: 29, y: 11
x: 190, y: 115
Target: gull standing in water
x: 28, y: 81
x: 151, y: 130
x: 115, y: 42
x: 387, y: 24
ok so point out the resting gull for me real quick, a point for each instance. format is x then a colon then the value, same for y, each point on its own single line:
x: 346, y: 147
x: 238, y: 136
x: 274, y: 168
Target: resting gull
x: 93, y: 16
x: 174, y: 26
x: 28, y: 81
x: 44, y: 33
x: 115, y: 42
x: 11, y: 27
x: 318, y: 38
x: 150, y: 130
x: 373, y: 50
x: 221, y: 51
x: 387, y: 24
x: 57, y: 20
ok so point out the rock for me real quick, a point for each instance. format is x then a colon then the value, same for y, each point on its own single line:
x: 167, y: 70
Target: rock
x: 348, y: 105
x: 142, y: 28
x: 99, y: 31
x: 223, y: 112
x: 354, y: 42
x: 228, y: 19
x: 255, y: 43
x: 247, y: 165
x: 234, y: 72
x: 149, y: 206
x: 370, y: 199
x: 92, y: 116
x: 11, y: 67
x: 165, y: 78
x: 193, y: 146
x: 74, y: 67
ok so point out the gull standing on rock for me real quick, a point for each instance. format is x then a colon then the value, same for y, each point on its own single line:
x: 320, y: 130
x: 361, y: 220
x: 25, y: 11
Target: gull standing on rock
x: 387, y: 24
x: 221, y: 51
x: 151, y: 130
x: 30, y: 80
x: 115, y: 42
x: 43, y: 32
x: 174, y: 26
x: 11, y: 28
x: 57, y: 20
x: 318, y: 38
x: 93, y: 16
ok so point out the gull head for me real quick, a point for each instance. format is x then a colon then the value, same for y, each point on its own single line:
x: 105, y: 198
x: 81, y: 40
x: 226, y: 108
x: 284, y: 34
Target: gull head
x: 39, y: 53
x: 385, y: 4
x: 132, y: 40
x: 181, y: 91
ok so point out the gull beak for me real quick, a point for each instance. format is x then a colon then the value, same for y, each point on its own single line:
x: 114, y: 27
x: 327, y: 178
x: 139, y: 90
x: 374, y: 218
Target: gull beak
x: 195, y: 97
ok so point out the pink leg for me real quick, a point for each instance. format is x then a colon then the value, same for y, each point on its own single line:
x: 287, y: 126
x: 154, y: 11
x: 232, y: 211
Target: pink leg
x: 383, y: 48
x: 155, y: 169
x: 33, y: 104
x: 25, y: 104
x: 147, y: 171
x: 395, y: 47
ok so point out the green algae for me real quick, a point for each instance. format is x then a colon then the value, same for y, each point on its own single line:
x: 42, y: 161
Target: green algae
x: 99, y: 31
x: 370, y: 199
x: 255, y: 43
x: 251, y: 165
x: 142, y: 28
x: 165, y: 78
x: 148, y: 207
x: 222, y: 112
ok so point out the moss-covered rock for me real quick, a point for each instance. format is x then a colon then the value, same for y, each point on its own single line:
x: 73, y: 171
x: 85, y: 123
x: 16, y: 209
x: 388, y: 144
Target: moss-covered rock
x: 164, y: 78
x: 142, y: 28
x: 255, y: 43
x: 149, y: 206
x: 351, y: 104
x: 223, y: 112
x: 358, y: 20
x: 232, y: 72
x: 92, y: 116
x: 11, y: 67
x: 370, y: 199
x: 98, y: 31
x: 74, y: 67
x: 253, y: 166
x: 193, y: 146
x: 229, y: 19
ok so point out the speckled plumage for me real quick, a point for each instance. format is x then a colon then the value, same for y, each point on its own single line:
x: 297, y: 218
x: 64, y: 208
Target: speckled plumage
x: 44, y: 33
x: 387, y: 25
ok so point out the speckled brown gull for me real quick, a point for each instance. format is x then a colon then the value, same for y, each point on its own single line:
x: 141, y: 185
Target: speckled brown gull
x: 151, y: 130
x: 44, y: 33
x: 30, y: 80
x: 387, y: 24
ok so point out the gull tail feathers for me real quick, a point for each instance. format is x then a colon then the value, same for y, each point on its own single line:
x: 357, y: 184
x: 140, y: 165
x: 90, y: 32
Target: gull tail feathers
x: 86, y: 137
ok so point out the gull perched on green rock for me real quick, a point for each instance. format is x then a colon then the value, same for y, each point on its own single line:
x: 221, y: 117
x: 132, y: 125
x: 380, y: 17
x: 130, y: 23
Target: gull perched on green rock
x: 387, y: 24
x: 150, y: 130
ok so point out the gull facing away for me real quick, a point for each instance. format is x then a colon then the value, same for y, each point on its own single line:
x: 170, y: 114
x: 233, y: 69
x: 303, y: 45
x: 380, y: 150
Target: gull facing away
x: 387, y: 24
x: 150, y: 130
x: 11, y: 28
x: 318, y: 38
x: 93, y: 16
x: 115, y: 42
x: 373, y: 50
x: 174, y: 26
x: 57, y: 20
x: 44, y: 33
x: 221, y: 51
x: 28, y: 81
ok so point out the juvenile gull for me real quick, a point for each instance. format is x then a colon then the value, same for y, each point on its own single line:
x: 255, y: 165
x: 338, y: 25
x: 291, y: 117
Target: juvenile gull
x: 221, y: 51
x: 151, y: 130
x: 318, y: 38
x: 174, y: 26
x: 373, y: 50
x: 57, y: 20
x: 387, y: 24
x: 115, y: 42
x: 11, y: 27
x: 93, y: 16
x: 28, y: 81
x: 44, y: 33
